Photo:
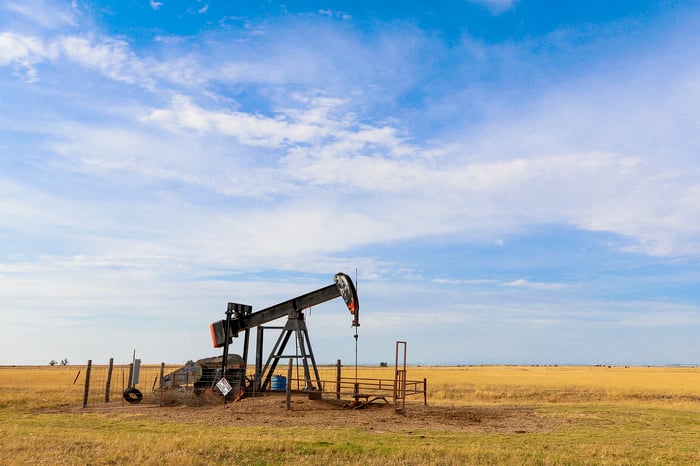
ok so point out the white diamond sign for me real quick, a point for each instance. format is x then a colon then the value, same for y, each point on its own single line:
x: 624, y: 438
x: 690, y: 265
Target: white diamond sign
x: 223, y: 386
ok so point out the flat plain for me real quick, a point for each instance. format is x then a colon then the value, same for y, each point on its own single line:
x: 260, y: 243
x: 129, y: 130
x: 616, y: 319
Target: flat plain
x: 474, y: 415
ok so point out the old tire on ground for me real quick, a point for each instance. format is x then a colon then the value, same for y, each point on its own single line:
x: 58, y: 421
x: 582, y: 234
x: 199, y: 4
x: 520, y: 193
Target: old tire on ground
x: 133, y: 395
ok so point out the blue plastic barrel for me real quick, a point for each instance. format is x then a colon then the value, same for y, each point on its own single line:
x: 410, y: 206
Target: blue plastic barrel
x: 279, y: 383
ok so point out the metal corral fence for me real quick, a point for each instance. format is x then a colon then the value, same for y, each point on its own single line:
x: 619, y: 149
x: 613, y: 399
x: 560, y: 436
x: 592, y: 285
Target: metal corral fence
x: 135, y: 382
x: 336, y: 385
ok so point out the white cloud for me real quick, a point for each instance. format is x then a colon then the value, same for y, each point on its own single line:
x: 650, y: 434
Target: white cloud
x: 112, y: 58
x: 46, y: 14
x: 335, y: 14
x: 535, y: 285
x: 254, y: 130
x: 659, y: 315
x: 404, y: 191
x: 24, y: 52
x: 401, y: 194
x: 496, y: 6
x: 404, y: 188
x: 452, y: 281
x: 312, y: 127
x: 19, y: 48
x: 155, y: 5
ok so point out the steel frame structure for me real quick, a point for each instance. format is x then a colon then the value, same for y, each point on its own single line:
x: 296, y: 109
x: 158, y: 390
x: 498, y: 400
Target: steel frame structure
x: 240, y: 318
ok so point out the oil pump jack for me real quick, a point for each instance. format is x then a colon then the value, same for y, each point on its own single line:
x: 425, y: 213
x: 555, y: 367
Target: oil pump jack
x: 240, y: 318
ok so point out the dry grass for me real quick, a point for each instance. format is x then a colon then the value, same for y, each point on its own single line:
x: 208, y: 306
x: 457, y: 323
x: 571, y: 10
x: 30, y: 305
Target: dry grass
x: 478, y: 415
x: 33, y: 387
x: 527, y: 384
x: 559, y: 384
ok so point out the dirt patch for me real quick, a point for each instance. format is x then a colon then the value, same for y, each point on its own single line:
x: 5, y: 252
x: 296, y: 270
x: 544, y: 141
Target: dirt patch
x: 379, y: 417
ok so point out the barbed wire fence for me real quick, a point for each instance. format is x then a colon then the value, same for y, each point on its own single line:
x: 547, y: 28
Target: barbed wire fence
x: 124, y: 384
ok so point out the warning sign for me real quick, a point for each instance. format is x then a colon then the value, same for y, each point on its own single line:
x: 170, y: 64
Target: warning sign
x: 223, y: 386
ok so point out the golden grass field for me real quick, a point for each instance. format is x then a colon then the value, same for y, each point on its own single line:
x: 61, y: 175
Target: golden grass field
x: 475, y: 415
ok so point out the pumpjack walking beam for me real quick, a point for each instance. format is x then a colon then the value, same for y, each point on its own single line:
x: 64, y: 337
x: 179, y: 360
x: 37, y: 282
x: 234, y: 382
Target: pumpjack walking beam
x: 244, y: 320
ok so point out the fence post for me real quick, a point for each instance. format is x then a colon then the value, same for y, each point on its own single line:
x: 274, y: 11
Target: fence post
x: 87, y: 383
x: 162, y: 372
x: 131, y: 375
x: 425, y: 391
x: 337, y: 379
x: 108, y: 385
x: 289, y: 385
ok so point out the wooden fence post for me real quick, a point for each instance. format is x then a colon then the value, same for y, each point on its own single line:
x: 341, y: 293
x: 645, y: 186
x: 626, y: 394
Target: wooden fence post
x: 289, y: 386
x: 162, y: 372
x: 87, y: 383
x: 337, y: 379
x: 108, y: 385
x: 131, y: 375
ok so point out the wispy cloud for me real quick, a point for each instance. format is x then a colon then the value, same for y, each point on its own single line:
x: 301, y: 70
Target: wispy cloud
x: 248, y: 129
x: 110, y: 57
x: 521, y: 282
x: 496, y: 6
x: 46, y: 14
x: 321, y: 143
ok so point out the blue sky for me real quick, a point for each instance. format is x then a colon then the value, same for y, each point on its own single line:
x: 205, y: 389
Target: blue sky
x: 512, y: 181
